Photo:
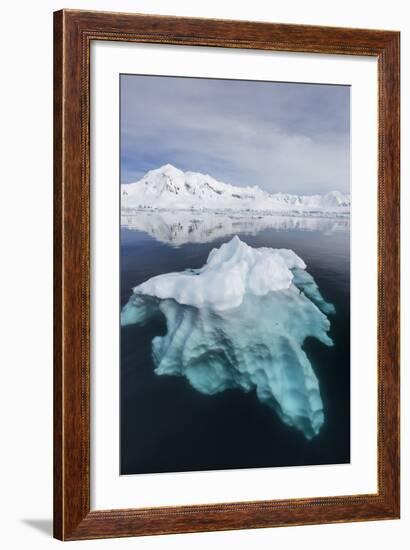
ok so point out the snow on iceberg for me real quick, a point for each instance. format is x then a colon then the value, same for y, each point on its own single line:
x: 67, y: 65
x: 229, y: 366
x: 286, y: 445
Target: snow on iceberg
x: 230, y: 272
x: 240, y: 322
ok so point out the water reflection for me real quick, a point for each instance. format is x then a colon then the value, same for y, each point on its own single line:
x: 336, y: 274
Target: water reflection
x: 181, y: 227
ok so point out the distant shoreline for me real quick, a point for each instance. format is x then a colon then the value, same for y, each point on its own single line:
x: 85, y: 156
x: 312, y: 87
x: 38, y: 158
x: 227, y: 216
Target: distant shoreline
x: 127, y: 210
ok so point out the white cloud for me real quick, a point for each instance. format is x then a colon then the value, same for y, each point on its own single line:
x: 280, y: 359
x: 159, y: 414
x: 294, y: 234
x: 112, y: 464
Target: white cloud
x: 293, y: 138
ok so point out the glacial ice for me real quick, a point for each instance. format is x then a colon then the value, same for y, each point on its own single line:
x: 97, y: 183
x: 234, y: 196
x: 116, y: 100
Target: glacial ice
x: 240, y: 322
x: 230, y: 272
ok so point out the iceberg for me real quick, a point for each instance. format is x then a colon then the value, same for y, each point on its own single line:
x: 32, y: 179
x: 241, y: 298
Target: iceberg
x: 229, y: 273
x: 240, y: 322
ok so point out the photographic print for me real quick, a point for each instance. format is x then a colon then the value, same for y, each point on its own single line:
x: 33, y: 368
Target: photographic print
x: 225, y: 353
x: 235, y: 274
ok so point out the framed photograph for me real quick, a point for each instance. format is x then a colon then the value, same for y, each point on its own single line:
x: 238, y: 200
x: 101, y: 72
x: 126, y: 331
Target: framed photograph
x: 226, y: 288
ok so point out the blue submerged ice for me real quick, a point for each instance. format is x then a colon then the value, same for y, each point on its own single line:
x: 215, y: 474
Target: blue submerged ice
x: 240, y: 322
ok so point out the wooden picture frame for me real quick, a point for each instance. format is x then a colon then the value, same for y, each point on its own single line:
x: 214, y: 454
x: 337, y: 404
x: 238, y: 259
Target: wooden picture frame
x: 74, y: 32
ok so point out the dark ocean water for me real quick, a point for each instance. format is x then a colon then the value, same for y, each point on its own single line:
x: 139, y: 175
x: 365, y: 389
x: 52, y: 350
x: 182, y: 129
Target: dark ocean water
x: 168, y: 426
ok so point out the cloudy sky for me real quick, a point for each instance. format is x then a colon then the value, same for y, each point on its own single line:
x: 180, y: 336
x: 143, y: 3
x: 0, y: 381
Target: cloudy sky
x: 282, y: 137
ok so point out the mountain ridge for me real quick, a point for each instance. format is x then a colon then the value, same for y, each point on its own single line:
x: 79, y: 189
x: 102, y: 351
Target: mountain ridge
x: 168, y: 187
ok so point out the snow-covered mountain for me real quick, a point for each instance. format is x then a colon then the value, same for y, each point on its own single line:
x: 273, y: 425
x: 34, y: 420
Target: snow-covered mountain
x: 170, y: 188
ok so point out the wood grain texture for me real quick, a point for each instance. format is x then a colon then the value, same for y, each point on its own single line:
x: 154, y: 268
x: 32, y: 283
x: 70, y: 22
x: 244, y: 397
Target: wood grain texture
x: 73, y: 33
x: 57, y: 302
